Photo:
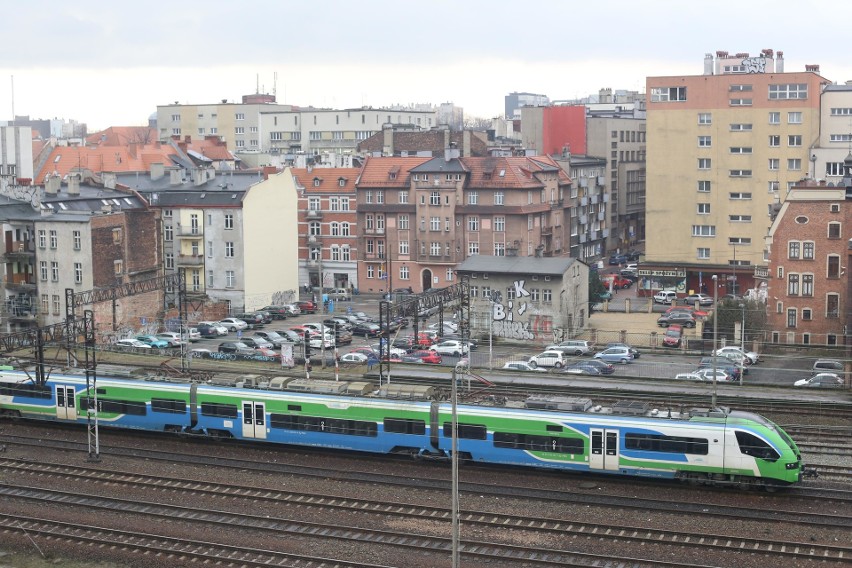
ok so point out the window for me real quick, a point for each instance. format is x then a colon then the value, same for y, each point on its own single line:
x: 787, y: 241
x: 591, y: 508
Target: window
x: 473, y: 223
x: 704, y: 141
x: 402, y: 197
x: 529, y: 442
x: 840, y: 137
x: 229, y: 221
x: 705, y: 118
x: 704, y: 186
x: 54, y: 241
x: 740, y: 102
x: 368, y: 196
x: 833, y: 266
x: 834, y: 230
x: 434, y: 198
x: 403, y: 247
x: 808, y: 250
x: 666, y: 444
x: 470, y: 431
x: 239, y: 130
x: 434, y: 223
x: 314, y: 228
x: 832, y: 306
x: 740, y: 173
x: 239, y: 116
x: 792, y: 284
x: 834, y: 168
x: 739, y: 240
x: 335, y: 229
x: 794, y: 118
x: 703, y: 209
x: 170, y: 261
x: 788, y: 91
x: 704, y: 163
x: 794, y: 140
x: 54, y: 271
x: 739, y: 218
x: 118, y: 267
x: 774, y: 141
x: 472, y: 197
x: 229, y: 249
x: 741, y: 128
x: 499, y: 249
x: 753, y: 446
x: 791, y: 317
x: 668, y: 94
x: 793, y: 248
x: 794, y: 164
x: 434, y: 249
x: 499, y: 224
x: 229, y: 279
x: 807, y: 286
x: 773, y: 186
x: 345, y: 230
x: 740, y: 88
x: 703, y: 230
x: 703, y: 253
x: 56, y: 304
x: 739, y: 195
x: 498, y: 198
x: 402, y: 222
x: 740, y: 150
x: 42, y: 238
x: 472, y: 248
x: 77, y: 240
x: 380, y: 197
x: 43, y: 270
x: 774, y: 164
x: 78, y: 273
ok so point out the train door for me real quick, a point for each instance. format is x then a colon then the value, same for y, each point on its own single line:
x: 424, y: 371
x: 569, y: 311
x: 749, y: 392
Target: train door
x: 254, y: 420
x: 603, y: 453
x: 66, y: 403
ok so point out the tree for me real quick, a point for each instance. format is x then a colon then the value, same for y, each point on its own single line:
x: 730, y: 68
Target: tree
x: 730, y: 313
x: 596, y: 289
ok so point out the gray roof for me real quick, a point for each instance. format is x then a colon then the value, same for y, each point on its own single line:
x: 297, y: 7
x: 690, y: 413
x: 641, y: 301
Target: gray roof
x: 440, y: 165
x: 232, y: 181
x: 220, y: 198
x: 556, y: 265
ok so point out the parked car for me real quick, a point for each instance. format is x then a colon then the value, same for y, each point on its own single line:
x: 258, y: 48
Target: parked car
x: 629, y: 273
x: 290, y: 336
x: 364, y: 317
x: 616, y: 259
x: 615, y: 355
x: 572, y: 346
x: 425, y: 356
x: 680, y: 318
x: 257, y: 342
x: 208, y: 331
x: 307, y: 307
x: 701, y: 299
x: 340, y: 294
x: 673, y: 336
x: 377, y: 348
x: 751, y: 357
x: 170, y: 337
x: 367, y: 330
x: 235, y: 347
x: 697, y: 314
x: 220, y: 329
x: 633, y: 351
x: 589, y: 367
x: 521, y: 366
x: 272, y: 337
x: 253, y: 320
x: 278, y: 312
x: 472, y: 343
x: 154, y: 341
x: 722, y: 363
x: 317, y: 342
x: 451, y: 347
x: 233, y: 324
x: 830, y: 365
x: 292, y: 309
x: 192, y: 334
x: 549, y: 358
x: 665, y: 297
x: 355, y: 358
x: 618, y: 281
x: 131, y: 344
x: 633, y: 255
x: 821, y: 380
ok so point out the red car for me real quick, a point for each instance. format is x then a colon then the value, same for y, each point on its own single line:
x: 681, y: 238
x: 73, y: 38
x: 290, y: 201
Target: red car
x: 672, y: 336
x: 425, y: 356
x: 307, y: 307
x: 618, y: 281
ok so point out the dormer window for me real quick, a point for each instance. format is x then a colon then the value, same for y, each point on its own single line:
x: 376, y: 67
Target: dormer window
x: 317, y: 182
x: 341, y: 182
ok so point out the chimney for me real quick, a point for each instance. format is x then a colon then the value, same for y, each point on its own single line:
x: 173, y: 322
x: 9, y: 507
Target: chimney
x: 52, y: 183
x: 157, y: 171
x: 779, y: 62
x: 73, y: 184
x: 175, y: 176
x: 109, y: 179
x: 387, y: 140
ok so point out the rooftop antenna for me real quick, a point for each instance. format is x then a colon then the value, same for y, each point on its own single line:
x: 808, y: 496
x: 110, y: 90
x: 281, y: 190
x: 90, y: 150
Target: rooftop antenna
x: 13, y: 99
x: 257, y: 83
x: 274, y: 83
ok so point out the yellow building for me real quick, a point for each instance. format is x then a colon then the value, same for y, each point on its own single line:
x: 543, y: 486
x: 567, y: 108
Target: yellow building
x: 723, y: 147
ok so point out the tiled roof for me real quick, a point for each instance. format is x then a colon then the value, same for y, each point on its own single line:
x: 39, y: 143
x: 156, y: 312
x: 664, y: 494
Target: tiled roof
x: 388, y: 171
x: 329, y: 179
x: 132, y: 158
x: 122, y: 136
x: 511, y: 171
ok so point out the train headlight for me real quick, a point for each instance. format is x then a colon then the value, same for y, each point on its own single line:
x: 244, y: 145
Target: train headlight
x: 794, y: 465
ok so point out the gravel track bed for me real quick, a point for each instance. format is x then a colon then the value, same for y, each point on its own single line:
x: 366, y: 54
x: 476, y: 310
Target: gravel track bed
x: 389, y: 555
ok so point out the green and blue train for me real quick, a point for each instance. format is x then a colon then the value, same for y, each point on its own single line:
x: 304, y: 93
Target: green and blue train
x: 714, y: 446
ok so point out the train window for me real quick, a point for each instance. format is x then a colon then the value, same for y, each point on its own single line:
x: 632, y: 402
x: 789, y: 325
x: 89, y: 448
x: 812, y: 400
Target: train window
x: 667, y: 444
x: 168, y: 405
x: 218, y: 410
x: 554, y: 428
x: 405, y: 426
x: 326, y: 425
x: 294, y: 407
x: 129, y: 407
x: 25, y: 390
x: 470, y: 431
x: 753, y: 446
x: 101, y: 391
x: 538, y: 443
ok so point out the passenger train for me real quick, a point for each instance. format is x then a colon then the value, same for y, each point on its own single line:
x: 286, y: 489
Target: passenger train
x: 713, y: 446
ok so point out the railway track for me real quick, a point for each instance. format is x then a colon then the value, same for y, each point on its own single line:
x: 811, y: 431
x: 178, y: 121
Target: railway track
x: 470, y: 548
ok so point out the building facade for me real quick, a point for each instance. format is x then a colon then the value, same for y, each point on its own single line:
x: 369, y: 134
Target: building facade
x: 722, y: 148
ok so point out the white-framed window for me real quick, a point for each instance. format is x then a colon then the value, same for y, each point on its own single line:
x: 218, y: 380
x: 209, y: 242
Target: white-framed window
x: 345, y: 230
x: 774, y: 117
x: 54, y: 240
x: 740, y: 173
x: 56, y: 304
x: 794, y: 117
x: 334, y: 203
x: 834, y: 168
x: 404, y: 272
x: 705, y: 141
x: 668, y: 94
x: 774, y: 164
x: 704, y: 163
x: 740, y: 149
x: 380, y: 197
x: 229, y: 249
x: 840, y: 137
x: 788, y: 91
x: 434, y: 198
x: 794, y: 164
x: 739, y: 218
x: 345, y: 253
x: 449, y: 275
x: 78, y: 240
x: 403, y: 247
x: 335, y: 252
x: 402, y: 222
x: 229, y: 221
x: 808, y: 250
x: 703, y: 208
x: 371, y: 271
x: 739, y: 195
x: 42, y: 265
x: 335, y: 228
x: 229, y: 279
x: 741, y: 127
x: 739, y: 240
x: 434, y: 248
x: 314, y: 229
x: 42, y: 238
x: 434, y: 223
x: 239, y: 130
x: 704, y: 186
x: 473, y: 223
x: 78, y: 272
x: 792, y: 284
x: 705, y: 118
x: 473, y: 248
x: 402, y: 197
x: 499, y: 224
x: 175, y: 118
x: 794, y: 140
x: 703, y: 253
x: 239, y: 116
x: 170, y: 261
x: 774, y: 186
x: 498, y: 198
x: 703, y: 230
x: 808, y: 285
x: 740, y: 102
x: 774, y: 141
x: 794, y: 249
x: 54, y: 271
x: 472, y: 197
x: 499, y: 249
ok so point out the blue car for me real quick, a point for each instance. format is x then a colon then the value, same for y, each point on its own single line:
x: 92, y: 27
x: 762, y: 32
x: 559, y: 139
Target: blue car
x: 616, y: 355
x: 154, y: 342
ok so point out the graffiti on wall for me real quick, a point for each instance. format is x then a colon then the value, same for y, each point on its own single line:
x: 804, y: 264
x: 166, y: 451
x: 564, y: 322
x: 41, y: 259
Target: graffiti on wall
x: 518, y: 318
x: 284, y: 297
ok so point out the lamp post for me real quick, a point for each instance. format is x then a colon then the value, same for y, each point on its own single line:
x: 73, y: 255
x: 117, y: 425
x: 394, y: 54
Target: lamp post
x: 742, y: 345
x: 715, y: 333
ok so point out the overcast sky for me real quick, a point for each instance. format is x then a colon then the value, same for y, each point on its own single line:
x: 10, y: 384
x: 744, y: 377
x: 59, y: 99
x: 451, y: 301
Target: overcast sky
x: 111, y: 63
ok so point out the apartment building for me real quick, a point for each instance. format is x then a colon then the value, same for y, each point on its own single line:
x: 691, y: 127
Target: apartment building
x: 328, y: 226
x: 835, y: 134
x: 723, y: 147
x: 809, y: 248
x: 420, y: 217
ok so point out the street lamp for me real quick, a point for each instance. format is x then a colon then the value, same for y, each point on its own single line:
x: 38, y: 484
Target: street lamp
x: 715, y: 333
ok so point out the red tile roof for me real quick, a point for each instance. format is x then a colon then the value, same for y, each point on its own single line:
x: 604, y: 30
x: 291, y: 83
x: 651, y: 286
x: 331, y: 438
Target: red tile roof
x: 388, y: 171
x: 132, y: 158
x: 122, y: 136
x: 329, y: 179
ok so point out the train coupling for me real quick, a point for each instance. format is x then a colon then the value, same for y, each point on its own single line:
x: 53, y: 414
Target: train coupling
x: 810, y: 472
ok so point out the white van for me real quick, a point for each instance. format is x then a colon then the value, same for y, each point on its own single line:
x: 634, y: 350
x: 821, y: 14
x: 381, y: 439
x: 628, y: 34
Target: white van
x: 665, y: 297
x: 339, y: 294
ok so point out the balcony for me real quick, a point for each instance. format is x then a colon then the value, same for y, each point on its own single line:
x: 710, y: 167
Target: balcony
x: 314, y: 214
x: 19, y: 250
x: 556, y: 204
x: 20, y: 283
x: 545, y: 231
x: 189, y: 260
x: 189, y: 232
